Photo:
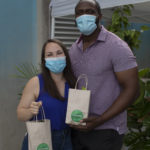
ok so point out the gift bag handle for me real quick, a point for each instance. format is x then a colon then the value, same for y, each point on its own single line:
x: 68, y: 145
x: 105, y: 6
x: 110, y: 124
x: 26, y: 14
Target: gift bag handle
x: 82, y: 76
x: 43, y: 114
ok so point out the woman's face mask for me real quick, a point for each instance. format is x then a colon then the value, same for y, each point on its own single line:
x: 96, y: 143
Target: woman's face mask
x: 56, y: 64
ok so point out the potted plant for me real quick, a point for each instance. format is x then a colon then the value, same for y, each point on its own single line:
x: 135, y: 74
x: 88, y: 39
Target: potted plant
x: 25, y: 71
x: 138, y: 136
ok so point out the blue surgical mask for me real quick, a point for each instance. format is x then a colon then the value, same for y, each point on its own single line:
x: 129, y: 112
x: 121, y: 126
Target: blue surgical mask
x: 86, y: 24
x: 56, y: 64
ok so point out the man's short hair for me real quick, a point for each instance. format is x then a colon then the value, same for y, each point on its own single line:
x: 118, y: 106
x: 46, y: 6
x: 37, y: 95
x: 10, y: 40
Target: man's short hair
x: 97, y: 5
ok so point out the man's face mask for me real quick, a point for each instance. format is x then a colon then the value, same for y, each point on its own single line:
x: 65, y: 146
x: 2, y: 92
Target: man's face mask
x: 86, y: 24
x: 56, y: 64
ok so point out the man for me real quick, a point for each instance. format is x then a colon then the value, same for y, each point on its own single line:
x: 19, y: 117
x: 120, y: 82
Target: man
x: 112, y: 73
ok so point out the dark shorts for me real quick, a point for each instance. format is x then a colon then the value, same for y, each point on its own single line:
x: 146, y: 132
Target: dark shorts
x: 107, y: 139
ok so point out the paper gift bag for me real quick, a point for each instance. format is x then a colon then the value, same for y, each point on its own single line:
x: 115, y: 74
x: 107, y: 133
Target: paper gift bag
x: 78, y: 103
x: 39, y: 134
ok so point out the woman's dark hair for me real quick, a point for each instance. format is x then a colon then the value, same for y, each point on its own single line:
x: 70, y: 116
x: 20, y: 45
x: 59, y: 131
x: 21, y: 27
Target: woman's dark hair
x: 97, y: 5
x: 49, y: 84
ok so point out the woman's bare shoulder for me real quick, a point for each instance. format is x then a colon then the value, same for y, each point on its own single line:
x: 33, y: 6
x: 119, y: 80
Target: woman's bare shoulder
x: 32, y: 86
x: 33, y: 81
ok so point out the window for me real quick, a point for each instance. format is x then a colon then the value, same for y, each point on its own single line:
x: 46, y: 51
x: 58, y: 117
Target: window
x: 64, y: 29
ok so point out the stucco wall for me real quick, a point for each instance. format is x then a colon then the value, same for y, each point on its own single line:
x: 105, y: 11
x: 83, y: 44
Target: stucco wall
x: 23, y: 28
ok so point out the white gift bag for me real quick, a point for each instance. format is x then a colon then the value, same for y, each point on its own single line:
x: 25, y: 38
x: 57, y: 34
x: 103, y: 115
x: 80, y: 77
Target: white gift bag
x: 78, y: 103
x: 39, y: 134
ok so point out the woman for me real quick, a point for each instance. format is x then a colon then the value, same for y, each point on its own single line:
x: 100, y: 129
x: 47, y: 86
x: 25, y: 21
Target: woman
x: 50, y: 89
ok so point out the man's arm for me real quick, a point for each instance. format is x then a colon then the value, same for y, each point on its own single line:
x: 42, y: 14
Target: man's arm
x: 128, y: 80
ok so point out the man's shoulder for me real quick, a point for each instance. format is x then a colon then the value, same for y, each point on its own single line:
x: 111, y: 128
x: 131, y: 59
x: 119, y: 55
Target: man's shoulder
x: 115, y: 42
x: 115, y: 45
x: 73, y: 47
x: 112, y: 37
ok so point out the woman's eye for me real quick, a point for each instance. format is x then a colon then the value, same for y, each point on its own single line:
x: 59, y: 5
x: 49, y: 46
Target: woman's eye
x: 60, y: 52
x: 49, y: 54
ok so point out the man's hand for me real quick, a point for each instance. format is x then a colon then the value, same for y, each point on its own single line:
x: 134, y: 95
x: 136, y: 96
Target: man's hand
x: 91, y: 123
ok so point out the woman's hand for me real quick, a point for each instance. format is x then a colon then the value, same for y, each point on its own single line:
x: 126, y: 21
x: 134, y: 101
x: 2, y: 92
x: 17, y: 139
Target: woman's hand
x: 34, y: 107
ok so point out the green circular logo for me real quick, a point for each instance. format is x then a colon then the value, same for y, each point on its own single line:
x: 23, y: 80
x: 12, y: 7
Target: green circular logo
x: 43, y: 146
x: 76, y: 115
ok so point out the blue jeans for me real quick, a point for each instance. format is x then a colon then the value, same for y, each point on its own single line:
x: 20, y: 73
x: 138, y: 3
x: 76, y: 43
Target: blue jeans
x: 61, y: 140
x: 25, y: 143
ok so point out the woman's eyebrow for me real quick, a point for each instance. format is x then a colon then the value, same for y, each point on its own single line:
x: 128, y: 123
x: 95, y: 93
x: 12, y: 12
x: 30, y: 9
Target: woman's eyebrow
x: 49, y: 52
x: 59, y: 50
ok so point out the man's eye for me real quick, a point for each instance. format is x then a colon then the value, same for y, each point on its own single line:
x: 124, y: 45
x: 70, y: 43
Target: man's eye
x: 79, y: 12
x: 90, y: 11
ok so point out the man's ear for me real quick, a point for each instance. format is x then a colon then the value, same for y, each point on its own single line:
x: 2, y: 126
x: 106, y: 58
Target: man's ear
x: 98, y: 19
x: 100, y: 16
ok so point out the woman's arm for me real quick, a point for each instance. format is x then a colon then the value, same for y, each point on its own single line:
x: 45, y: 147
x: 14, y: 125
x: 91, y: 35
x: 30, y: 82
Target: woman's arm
x: 27, y: 107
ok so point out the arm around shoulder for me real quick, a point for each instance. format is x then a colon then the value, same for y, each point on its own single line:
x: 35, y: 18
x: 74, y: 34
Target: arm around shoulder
x: 27, y: 104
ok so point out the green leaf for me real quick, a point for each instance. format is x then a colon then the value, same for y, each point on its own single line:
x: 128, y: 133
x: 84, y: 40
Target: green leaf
x: 25, y: 71
x: 127, y: 11
x: 146, y: 121
x: 145, y: 28
x: 142, y: 92
x: 131, y: 138
x: 144, y: 73
x: 131, y: 6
